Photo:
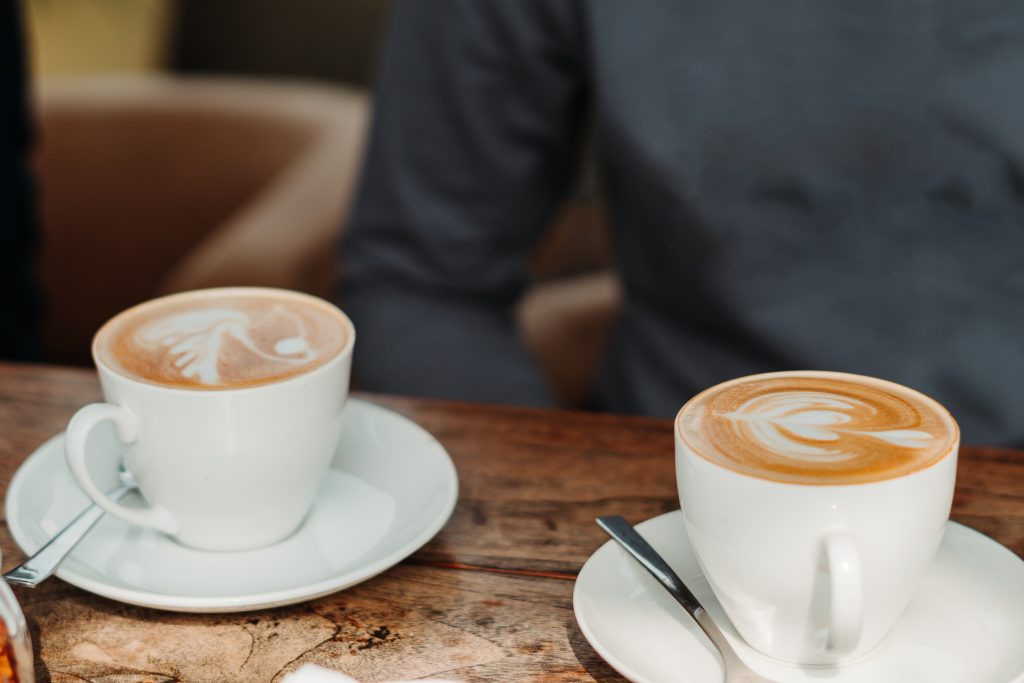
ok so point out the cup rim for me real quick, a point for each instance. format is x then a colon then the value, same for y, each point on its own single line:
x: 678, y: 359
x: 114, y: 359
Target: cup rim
x: 951, y: 445
x: 343, y: 353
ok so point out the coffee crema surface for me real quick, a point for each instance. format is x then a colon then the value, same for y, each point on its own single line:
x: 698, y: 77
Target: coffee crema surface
x: 817, y: 428
x: 229, y: 340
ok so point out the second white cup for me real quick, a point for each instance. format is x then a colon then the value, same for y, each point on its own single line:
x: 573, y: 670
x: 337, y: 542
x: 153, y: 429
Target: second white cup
x: 814, y: 502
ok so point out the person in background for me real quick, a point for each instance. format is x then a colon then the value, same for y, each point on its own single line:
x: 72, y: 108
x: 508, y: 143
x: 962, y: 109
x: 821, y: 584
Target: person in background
x: 19, y: 296
x: 812, y: 185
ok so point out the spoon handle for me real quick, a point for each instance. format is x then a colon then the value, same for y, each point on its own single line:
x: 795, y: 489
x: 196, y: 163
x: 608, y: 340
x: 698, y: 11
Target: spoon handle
x: 44, y: 562
x: 621, y: 530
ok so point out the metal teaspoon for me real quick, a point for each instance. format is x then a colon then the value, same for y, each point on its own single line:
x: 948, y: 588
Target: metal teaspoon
x: 626, y: 536
x: 44, y: 562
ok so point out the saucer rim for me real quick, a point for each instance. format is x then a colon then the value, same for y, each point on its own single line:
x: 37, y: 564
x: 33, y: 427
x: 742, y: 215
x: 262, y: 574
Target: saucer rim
x: 249, y: 601
x: 628, y: 672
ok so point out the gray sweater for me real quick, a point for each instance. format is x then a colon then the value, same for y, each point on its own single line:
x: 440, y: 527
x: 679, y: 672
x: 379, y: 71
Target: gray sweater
x: 794, y: 184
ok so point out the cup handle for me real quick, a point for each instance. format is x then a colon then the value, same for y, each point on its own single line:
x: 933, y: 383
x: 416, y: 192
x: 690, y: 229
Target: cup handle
x: 78, y: 431
x: 846, y: 589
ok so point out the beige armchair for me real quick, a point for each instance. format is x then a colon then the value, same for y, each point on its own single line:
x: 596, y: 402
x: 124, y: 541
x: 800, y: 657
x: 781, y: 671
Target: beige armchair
x: 150, y: 185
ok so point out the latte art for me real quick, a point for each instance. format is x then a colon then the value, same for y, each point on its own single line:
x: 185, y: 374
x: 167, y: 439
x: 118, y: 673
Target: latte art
x: 196, y: 340
x: 223, y: 338
x: 817, y: 428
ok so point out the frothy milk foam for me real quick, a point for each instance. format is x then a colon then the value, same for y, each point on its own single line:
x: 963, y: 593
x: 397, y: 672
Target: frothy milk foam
x: 817, y: 428
x: 222, y: 339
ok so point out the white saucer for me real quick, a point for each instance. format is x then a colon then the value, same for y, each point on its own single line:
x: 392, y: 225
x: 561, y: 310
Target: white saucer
x: 965, y: 625
x: 391, y: 487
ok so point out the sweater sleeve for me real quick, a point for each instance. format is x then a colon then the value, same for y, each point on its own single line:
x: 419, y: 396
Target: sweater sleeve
x: 477, y: 118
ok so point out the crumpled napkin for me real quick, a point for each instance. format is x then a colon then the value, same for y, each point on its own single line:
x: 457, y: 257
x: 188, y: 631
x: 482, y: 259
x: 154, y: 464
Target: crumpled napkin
x: 311, y: 673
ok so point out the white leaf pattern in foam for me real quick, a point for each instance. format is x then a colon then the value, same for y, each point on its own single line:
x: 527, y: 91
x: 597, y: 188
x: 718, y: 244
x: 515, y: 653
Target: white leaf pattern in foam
x: 291, y: 346
x: 197, y: 337
x: 774, y: 420
x: 908, y: 438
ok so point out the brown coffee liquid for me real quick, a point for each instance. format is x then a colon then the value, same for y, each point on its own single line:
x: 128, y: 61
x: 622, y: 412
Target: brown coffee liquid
x: 817, y: 428
x: 222, y: 339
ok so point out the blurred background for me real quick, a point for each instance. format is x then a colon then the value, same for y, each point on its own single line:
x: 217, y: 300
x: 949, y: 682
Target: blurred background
x: 187, y: 144
x: 315, y: 39
x: 228, y: 136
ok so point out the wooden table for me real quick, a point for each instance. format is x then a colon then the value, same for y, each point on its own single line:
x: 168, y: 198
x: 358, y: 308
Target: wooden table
x: 489, y: 599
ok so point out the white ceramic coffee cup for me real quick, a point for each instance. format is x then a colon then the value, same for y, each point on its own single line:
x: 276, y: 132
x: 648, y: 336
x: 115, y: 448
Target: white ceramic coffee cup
x: 811, y: 573
x: 226, y: 469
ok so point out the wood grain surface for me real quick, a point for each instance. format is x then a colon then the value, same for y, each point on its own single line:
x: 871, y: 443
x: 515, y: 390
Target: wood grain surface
x: 488, y: 599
